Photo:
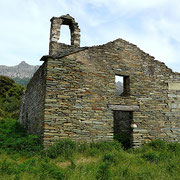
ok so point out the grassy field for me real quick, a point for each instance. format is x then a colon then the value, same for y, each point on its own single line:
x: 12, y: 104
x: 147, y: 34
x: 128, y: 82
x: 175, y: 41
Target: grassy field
x: 22, y: 157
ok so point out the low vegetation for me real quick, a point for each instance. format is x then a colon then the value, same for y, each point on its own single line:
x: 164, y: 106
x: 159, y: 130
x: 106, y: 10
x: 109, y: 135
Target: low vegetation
x: 10, y: 94
x: 22, y: 157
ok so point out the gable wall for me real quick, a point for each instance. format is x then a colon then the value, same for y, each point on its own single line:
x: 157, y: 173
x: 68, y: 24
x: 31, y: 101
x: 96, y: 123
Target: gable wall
x: 32, y: 103
x: 172, y: 128
x: 81, y: 86
x: 72, y: 107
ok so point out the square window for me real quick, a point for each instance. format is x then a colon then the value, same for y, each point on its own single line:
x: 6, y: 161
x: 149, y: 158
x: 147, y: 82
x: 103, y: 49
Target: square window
x: 122, y: 85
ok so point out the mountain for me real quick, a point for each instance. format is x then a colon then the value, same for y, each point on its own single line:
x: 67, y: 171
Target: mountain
x: 22, y: 70
x: 21, y: 73
x: 119, y: 88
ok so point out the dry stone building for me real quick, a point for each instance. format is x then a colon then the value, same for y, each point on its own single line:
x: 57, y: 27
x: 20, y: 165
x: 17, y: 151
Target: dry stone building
x: 73, y: 94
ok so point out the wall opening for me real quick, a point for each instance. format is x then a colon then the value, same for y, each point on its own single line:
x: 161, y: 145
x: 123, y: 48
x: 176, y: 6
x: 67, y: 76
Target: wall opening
x: 122, y: 127
x: 122, y: 85
x: 65, y: 36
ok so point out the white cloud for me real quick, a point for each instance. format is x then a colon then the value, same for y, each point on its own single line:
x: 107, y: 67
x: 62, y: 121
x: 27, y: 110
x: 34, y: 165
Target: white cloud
x: 123, y: 7
x: 154, y: 25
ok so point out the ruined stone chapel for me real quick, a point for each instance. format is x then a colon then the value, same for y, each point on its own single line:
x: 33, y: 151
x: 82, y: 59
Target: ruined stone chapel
x: 74, y: 94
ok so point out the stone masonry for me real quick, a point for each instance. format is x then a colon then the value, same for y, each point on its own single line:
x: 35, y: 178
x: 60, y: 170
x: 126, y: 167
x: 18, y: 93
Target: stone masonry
x: 73, y: 94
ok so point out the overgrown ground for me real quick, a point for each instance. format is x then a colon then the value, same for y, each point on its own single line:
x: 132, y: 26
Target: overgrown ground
x: 22, y: 157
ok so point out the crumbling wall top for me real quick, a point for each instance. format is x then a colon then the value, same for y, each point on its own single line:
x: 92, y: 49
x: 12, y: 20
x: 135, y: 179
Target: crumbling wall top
x: 56, y: 23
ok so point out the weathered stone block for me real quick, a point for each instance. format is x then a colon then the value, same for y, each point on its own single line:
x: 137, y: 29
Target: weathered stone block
x: 174, y: 86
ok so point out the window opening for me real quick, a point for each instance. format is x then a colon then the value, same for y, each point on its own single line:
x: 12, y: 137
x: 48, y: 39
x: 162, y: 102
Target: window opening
x: 122, y: 85
x: 65, y: 36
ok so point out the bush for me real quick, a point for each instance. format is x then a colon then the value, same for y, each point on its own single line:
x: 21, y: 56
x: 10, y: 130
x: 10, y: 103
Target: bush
x: 14, y: 138
x: 5, y: 85
x: 10, y: 94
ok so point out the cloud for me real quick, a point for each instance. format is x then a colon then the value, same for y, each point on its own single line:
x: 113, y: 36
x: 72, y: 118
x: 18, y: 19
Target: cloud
x: 153, y: 25
x: 126, y: 7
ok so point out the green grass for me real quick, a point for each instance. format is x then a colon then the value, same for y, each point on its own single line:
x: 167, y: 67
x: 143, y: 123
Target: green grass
x: 22, y: 157
x: 14, y: 138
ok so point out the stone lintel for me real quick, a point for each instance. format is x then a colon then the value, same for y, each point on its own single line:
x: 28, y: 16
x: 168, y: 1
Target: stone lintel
x: 174, y: 86
x: 123, y: 107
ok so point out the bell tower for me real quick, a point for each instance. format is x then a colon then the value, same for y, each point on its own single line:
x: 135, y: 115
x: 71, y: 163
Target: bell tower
x: 56, y: 48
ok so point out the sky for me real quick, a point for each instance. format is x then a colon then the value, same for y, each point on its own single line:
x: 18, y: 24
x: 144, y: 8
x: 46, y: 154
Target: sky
x: 153, y: 25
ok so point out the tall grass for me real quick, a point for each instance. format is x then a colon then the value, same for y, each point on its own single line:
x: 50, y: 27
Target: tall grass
x: 14, y: 138
x: 21, y: 157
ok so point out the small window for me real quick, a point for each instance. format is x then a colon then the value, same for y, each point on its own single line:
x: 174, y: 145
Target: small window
x: 122, y: 85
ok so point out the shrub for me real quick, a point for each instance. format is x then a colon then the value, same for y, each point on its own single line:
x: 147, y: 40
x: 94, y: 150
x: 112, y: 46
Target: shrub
x: 14, y: 138
x: 5, y: 84
x: 2, y: 113
x: 10, y: 94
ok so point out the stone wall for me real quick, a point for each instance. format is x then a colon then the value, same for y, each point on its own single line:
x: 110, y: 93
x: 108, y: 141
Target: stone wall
x: 172, y: 124
x: 73, y: 94
x: 56, y: 48
x: 80, y: 89
x: 72, y: 109
x: 60, y: 49
x: 32, y: 103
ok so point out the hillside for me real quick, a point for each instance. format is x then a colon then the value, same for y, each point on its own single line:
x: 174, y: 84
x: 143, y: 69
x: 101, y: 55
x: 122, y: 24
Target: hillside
x: 10, y: 94
x: 21, y: 73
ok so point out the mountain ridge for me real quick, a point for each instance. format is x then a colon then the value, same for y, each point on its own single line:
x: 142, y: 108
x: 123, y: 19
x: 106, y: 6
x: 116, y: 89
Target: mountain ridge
x: 21, y: 71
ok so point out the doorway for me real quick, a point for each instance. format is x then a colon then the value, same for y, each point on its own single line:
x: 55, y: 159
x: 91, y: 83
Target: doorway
x: 122, y: 127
